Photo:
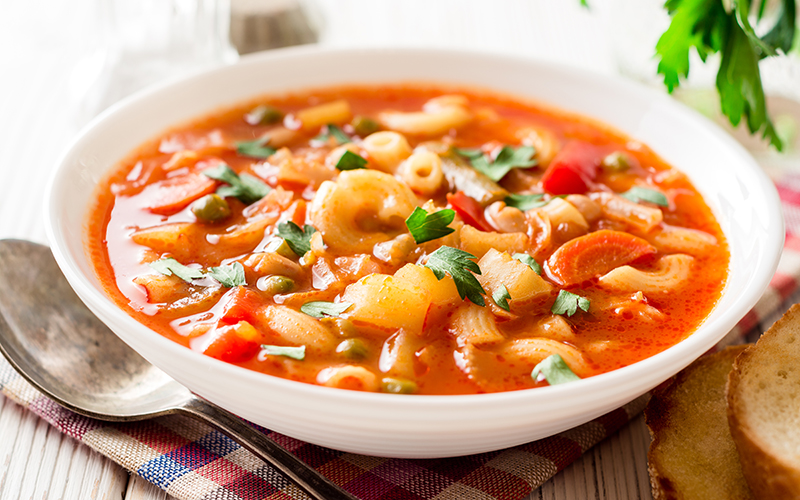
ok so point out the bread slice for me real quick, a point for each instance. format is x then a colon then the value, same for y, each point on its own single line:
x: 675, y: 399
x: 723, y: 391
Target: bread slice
x: 692, y: 455
x: 764, y: 410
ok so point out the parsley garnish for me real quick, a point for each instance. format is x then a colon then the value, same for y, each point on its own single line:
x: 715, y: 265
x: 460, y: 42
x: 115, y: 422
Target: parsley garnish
x: 458, y: 264
x: 527, y: 259
x: 507, y: 158
x: 321, y: 309
x: 426, y: 227
x: 568, y: 303
x: 230, y: 275
x: 637, y: 194
x: 299, y: 240
x: 554, y: 370
x: 501, y: 297
x: 526, y: 201
x: 298, y: 353
x: 247, y: 188
x: 709, y: 27
x: 350, y: 161
x: 332, y: 130
x: 170, y: 266
x: 255, y: 149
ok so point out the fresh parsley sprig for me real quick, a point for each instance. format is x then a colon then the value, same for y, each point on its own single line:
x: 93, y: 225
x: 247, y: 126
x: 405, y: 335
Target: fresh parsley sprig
x: 529, y: 261
x: 332, y: 131
x: 568, y: 303
x: 170, y: 266
x: 298, y: 353
x: 555, y: 370
x: 229, y: 275
x: 351, y: 161
x: 506, y: 159
x: 526, y: 201
x: 501, y: 297
x: 244, y: 186
x: 255, y: 149
x: 638, y: 193
x: 425, y: 226
x: 298, y: 239
x: 458, y: 264
x: 709, y: 27
x: 322, y: 309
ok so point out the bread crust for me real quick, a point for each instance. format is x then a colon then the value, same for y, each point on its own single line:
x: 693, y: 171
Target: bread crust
x: 770, y: 473
x: 692, y: 455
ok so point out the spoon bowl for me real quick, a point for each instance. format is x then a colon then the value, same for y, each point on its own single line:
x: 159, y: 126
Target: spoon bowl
x: 51, y: 338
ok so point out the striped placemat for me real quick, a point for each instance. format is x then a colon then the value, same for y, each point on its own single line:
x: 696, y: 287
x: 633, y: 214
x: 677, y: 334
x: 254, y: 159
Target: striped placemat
x: 192, y: 462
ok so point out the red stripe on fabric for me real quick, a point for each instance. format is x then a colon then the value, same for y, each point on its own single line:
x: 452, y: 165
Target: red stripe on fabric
x: 558, y: 449
x: 159, y: 438
x: 749, y: 321
x: 613, y: 421
x: 788, y: 195
x: 69, y: 423
x: 221, y: 471
x: 785, y: 284
x: 249, y: 487
x: 792, y: 242
x: 497, y: 483
x: 370, y: 487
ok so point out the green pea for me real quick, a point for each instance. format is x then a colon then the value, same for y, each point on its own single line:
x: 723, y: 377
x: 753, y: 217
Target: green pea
x: 354, y: 349
x: 364, y: 126
x: 211, y: 208
x: 264, y: 115
x: 398, y: 385
x: 616, y: 162
x: 280, y: 247
x: 277, y: 284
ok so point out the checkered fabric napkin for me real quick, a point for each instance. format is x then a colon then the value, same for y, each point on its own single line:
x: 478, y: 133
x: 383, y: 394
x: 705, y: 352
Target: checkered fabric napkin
x: 193, y: 462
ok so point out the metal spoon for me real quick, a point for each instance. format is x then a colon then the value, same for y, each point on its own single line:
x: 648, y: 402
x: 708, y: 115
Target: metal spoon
x: 63, y: 350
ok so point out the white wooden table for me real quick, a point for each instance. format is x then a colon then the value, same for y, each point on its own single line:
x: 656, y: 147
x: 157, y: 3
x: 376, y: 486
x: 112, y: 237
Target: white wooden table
x: 45, y: 79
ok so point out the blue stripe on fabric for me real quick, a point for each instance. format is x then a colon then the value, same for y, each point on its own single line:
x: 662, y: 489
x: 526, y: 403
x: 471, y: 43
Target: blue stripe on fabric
x: 218, y: 443
x: 162, y: 471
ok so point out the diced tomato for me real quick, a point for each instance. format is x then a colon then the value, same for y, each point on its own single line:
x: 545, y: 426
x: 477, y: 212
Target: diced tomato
x: 572, y: 169
x: 595, y: 254
x: 470, y: 211
x: 228, y: 346
x: 173, y: 195
x: 241, y: 306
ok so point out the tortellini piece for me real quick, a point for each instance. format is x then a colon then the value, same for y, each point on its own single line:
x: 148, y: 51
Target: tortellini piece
x: 360, y: 209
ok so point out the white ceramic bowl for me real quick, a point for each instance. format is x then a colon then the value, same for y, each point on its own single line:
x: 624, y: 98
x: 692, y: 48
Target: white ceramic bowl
x: 742, y: 197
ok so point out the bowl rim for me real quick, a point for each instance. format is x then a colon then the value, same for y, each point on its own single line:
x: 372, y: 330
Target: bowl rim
x: 680, y: 354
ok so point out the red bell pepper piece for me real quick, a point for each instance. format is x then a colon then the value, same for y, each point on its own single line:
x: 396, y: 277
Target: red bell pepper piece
x: 470, y: 211
x: 573, y: 169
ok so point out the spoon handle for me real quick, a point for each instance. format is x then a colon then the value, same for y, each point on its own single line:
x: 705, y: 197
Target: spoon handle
x: 308, y: 479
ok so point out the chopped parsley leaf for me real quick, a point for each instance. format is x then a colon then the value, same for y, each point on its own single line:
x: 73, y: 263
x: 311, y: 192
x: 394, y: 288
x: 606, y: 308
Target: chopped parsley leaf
x: 426, y: 227
x: 457, y: 263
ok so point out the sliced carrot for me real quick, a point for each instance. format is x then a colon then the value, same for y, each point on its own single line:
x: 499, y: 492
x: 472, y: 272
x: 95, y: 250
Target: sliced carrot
x: 241, y: 305
x: 228, y: 346
x: 173, y: 195
x: 595, y: 254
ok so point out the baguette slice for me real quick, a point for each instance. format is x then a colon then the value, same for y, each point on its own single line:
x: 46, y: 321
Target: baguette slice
x: 764, y: 410
x: 692, y: 455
